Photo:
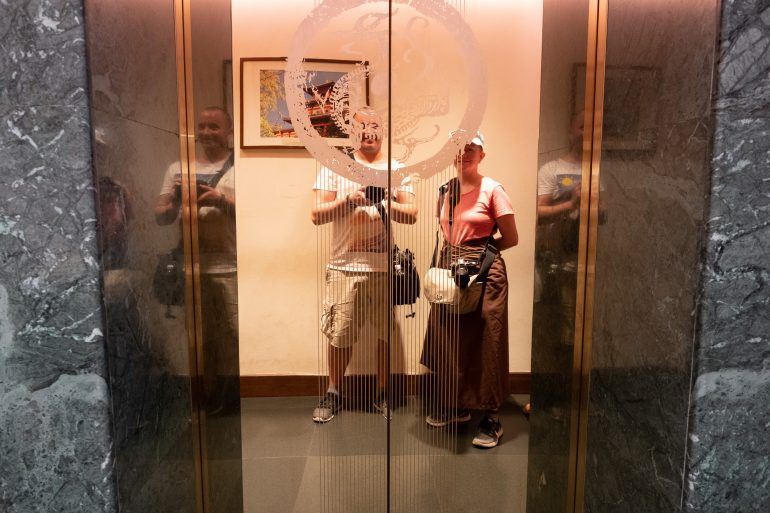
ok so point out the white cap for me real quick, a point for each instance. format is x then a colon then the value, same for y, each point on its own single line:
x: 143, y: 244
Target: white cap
x: 478, y: 138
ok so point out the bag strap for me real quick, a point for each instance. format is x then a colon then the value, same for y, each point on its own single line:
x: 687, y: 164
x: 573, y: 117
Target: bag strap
x: 383, y: 213
x: 441, y: 195
x: 384, y: 217
x: 230, y: 162
x: 490, y: 253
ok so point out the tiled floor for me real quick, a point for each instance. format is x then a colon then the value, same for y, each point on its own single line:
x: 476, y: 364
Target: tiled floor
x: 291, y: 465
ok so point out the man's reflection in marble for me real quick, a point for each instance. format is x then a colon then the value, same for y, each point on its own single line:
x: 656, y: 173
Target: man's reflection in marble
x: 215, y: 182
x: 558, y: 213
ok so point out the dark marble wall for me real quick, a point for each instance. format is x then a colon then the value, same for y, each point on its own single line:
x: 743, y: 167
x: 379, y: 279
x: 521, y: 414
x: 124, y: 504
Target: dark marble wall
x: 134, y: 111
x: 729, y: 460
x: 655, y: 171
x: 55, y: 440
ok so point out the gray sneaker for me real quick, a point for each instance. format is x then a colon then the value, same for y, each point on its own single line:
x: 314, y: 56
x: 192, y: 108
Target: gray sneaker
x: 446, y: 418
x: 327, y: 408
x: 381, y: 405
x: 488, y: 433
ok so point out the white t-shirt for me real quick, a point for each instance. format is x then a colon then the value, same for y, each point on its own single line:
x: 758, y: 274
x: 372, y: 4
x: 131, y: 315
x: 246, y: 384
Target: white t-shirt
x: 557, y: 178
x: 359, y: 239
x: 216, y: 229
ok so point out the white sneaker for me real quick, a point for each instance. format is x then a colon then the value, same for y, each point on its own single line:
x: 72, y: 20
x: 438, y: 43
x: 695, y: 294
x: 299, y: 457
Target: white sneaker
x: 446, y: 418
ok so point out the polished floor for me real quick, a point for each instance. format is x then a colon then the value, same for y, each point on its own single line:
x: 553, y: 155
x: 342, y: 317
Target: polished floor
x: 292, y: 465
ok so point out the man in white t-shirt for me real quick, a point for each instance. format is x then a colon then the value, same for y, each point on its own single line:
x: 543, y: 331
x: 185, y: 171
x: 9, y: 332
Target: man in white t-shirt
x: 215, y: 177
x: 558, y: 213
x: 356, y: 276
x: 558, y: 201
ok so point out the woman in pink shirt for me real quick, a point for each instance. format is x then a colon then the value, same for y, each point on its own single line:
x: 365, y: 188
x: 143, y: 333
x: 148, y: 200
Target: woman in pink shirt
x: 468, y: 353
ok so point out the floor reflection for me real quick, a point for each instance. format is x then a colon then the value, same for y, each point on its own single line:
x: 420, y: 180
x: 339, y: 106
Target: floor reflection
x: 287, y: 459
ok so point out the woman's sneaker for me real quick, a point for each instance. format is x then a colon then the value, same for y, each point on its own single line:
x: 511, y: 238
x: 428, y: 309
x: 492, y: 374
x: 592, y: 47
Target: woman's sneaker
x: 381, y: 405
x: 327, y: 408
x: 446, y: 418
x: 488, y: 433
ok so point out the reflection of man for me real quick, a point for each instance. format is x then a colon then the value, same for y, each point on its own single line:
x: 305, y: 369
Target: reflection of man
x: 558, y: 209
x: 215, y: 178
x: 356, y: 276
x: 558, y: 197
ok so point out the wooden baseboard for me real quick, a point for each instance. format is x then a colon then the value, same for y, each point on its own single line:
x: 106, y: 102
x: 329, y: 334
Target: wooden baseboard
x: 308, y: 385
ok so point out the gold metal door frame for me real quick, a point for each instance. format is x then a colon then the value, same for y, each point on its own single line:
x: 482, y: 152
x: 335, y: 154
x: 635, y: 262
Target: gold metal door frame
x: 193, y: 322
x: 589, y: 213
x: 589, y: 223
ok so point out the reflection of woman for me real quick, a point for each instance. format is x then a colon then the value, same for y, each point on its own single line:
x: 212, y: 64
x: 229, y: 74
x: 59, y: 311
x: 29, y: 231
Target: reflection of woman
x: 469, y: 353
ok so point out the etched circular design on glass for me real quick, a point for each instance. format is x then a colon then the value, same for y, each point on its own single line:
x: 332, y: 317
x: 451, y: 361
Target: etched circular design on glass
x: 296, y: 84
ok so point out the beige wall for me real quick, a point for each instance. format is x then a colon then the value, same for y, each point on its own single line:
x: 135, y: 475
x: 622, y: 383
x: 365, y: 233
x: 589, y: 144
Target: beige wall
x: 280, y: 253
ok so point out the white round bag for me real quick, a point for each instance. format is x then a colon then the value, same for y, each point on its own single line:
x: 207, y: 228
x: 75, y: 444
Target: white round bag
x: 440, y: 288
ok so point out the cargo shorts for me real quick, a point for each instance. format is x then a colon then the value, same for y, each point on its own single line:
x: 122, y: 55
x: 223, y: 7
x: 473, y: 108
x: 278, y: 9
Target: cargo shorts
x: 351, y: 300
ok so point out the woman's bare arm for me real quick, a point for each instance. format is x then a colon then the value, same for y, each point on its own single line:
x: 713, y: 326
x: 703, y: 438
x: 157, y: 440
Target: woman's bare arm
x: 509, y: 236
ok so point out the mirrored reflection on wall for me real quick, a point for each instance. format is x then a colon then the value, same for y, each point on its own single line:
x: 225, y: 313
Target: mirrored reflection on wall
x: 364, y: 143
x: 562, y: 167
x: 135, y: 140
x: 213, y: 228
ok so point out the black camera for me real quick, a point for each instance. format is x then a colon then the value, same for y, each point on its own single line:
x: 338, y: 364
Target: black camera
x: 462, y: 270
x: 374, y: 194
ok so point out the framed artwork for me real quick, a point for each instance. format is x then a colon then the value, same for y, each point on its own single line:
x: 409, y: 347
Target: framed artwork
x: 265, y: 120
x: 630, y: 107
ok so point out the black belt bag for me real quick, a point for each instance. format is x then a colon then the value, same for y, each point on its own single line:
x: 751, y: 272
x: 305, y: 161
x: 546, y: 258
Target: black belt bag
x: 405, y: 282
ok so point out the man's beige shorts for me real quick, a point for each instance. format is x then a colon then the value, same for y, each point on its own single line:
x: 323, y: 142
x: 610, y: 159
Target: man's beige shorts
x: 351, y: 300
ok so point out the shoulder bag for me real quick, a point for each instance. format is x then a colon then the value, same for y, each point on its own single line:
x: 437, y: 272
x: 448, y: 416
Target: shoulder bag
x: 405, y: 283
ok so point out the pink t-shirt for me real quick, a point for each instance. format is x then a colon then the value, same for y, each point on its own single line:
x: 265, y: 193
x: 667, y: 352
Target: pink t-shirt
x: 476, y: 212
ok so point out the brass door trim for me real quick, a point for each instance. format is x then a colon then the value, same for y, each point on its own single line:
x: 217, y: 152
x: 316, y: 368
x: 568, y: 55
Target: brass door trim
x: 589, y: 212
x: 585, y: 186
x: 189, y: 219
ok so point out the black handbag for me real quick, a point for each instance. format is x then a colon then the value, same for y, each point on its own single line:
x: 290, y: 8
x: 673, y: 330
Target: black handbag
x: 405, y: 282
x: 168, y: 281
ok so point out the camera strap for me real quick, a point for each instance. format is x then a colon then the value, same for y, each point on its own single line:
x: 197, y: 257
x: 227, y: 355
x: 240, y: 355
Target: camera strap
x: 441, y: 195
x: 230, y: 162
x: 490, y: 253
x: 383, y: 213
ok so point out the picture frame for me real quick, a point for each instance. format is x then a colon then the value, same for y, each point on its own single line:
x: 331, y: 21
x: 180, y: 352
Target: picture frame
x: 630, y: 109
x: 264, y: 116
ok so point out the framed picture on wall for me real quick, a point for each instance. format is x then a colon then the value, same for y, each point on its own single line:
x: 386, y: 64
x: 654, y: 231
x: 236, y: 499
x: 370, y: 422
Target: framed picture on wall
x: 630, y: 109
x: 265, y: 119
